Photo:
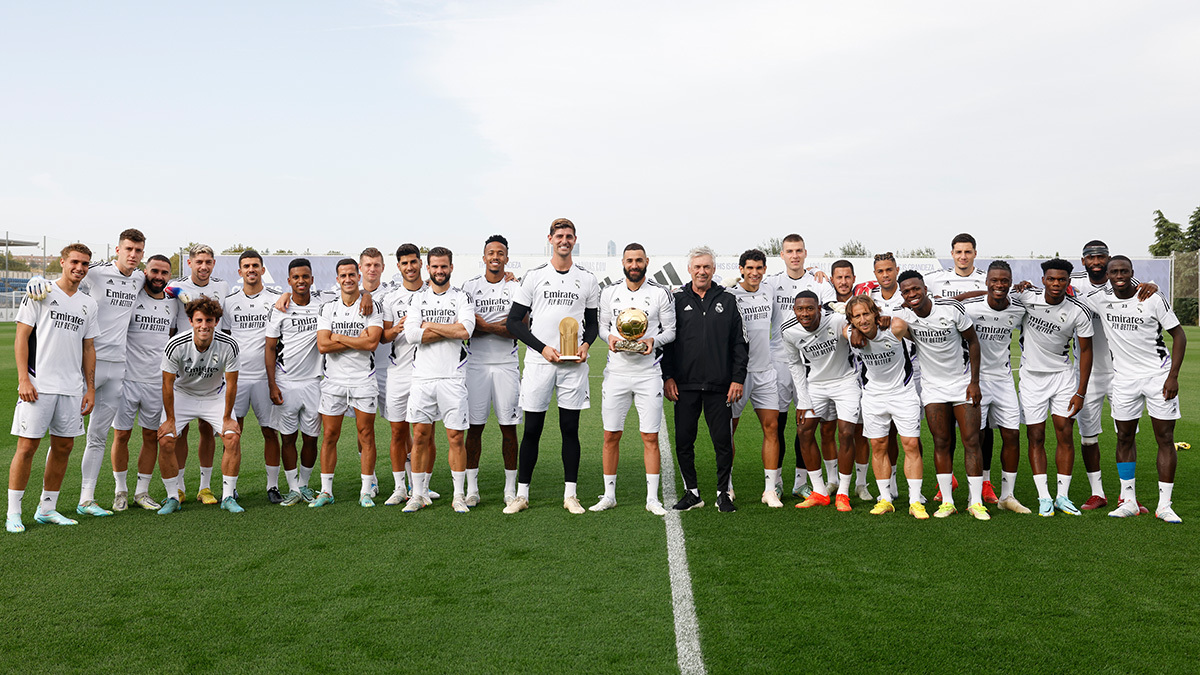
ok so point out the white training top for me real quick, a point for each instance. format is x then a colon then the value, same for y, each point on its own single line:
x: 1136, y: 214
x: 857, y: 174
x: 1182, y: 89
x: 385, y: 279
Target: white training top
x: 216, y: 289
x: 756, y: 322
x: 1048, y: 330
x: 825, y: 352
x: 887, y: 365
x: 995, y: 330
x: 395, y: 306
x: 947, y: 283
x: 296, y: 356
x: 1135, y: 332
x: 441, y: 358
x: 114, y: 293
x: 60, y: 324
x: 197, y: 373
x: 245, y: 317
x: 942, y: 352
x: 783, y: 291
x: 659, y: 305
x: 890, y: 306
x: 492, y: 302
x: 349, y: 367
x: 552, y: 296
x: 1101, y: 354
x: 383, y: 351
x: 150, y: 326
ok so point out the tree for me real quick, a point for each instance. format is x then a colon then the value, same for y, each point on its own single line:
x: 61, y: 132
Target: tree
x: 772, y: 246
x: 1168, y: 236
x: 236, y: 249
x: 922, y: 252
x: 1192, y: 237
x: 285, y: 251
x: 854, y: 249
x: 16, y: 264
x: 334, y: 253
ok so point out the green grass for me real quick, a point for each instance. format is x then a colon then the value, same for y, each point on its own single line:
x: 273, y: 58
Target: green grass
x: 344, y: 588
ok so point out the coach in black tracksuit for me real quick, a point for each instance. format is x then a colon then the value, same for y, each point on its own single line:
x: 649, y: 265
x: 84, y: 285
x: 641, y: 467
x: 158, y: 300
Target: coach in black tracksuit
x: 705, y: 368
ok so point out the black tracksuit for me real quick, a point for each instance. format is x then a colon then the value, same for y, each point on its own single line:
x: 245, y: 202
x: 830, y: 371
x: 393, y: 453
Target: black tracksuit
x: 709, y: 353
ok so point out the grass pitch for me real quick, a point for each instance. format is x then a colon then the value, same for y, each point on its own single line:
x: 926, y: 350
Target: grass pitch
x: 351, y: 589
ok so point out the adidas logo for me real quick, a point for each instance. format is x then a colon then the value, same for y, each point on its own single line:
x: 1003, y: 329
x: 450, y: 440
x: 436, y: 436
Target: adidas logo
x: 545, y: 283
x: 110, y: 283
x: 54, y: 303
x: 687, y: 308
x: 141, y: 306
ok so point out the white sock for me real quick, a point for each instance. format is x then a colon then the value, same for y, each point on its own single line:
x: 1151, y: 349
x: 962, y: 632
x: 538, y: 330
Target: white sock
x: 830, y: 470
x: 49, y: 501
x: 1039, y: 480
x: 374, y: 479
x: 801, y: 479
x: 945, y: 481
x: 895, y: 490
x: 510, y: 481
x: 14, y: 501
x: 398, y: 480
x: 610, y: 486
x: 974, y: 490
x: 425, y: 478
x: 180, y: 486
x: 1064, y: 484
x: 1128, y: 491
x: 860, y: 474
x: 272, y: 476
x: 1096, y: 484
x: 885, y: 487
x: 327, y: 483
x: 652, y: 486
x: 473, y: 481
x: 1164, y: 494
x: 143, y: 483
x: 459, y: 478
x: 987, y: 475
x: 569, y: 490
x: 367, y: 481
x: 523, y: 490
x: 122, y: 481
x: 818, y: 484
x: 228, y: 485
x: 772, y: 478
x: 1007, y: 482
x: 914, y: 490
x: 206, y: 477
x: 293, y: 479
x: 169, y: 484
x: 303, y: 473
x: 844, y: 483
x: 87, y: 493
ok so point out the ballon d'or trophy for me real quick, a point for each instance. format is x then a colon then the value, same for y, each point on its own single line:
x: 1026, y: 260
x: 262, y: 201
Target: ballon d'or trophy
x: 568, y: 339
x: 631, y: 325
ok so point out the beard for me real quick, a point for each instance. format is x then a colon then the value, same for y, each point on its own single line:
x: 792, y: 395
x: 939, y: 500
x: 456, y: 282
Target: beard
x: 155, y: 286
x: 635, y: 274
x: 440, y: 279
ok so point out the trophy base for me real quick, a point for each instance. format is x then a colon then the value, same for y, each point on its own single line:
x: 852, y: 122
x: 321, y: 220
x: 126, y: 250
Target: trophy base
x: 630, y: 346
x: 572, y: 357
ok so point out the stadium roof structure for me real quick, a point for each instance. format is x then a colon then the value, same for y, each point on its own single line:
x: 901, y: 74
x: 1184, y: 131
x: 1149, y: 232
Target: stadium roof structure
x: 5, y: 241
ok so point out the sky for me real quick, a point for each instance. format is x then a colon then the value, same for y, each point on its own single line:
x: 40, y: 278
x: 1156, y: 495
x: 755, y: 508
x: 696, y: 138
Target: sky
x: 339, y: 125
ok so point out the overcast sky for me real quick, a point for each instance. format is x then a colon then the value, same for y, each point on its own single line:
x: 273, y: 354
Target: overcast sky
x: 338, y: 125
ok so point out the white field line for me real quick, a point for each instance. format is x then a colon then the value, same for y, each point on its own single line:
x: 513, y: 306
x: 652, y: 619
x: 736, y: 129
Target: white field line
x: 687, y: 628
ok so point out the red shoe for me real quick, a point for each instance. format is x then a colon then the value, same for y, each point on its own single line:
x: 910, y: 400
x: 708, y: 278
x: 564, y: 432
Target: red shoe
x: 1141, y: 509
x: 843, y: 502
x: 938, y: 496
x: 953, y: 486
x: 1094, y: 502
x: 815, y: 499
x: 989, y: 495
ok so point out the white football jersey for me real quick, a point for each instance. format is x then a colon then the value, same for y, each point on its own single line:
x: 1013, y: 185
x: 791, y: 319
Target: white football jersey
x: 150, y: 326
x: 783, y: 291
x: 941, y: 350
x: 825, y: 352
x: 60, y: 324
x: 245, y: 317
x: 400, y: 351
x: 383, y: 351
x: 552, y: 296
x: 756, y: 323
x: 1048, y: 331
x: 1135, y: 332
x: 1102, y: 360
x: 216, y: 289
x: 441, y: 358
x: 886, y: 364
x: 200, y: 373
x: 658, y: 304
x: 888, y: 306
x: 995, y: 330
x: 296, y: 355
x: 348, y: 367
x: 947, y: 283
x: 492, y: 302
x: 114, y: 293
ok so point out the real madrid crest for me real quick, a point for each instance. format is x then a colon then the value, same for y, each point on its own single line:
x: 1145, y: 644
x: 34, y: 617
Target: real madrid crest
x: 719, y: 307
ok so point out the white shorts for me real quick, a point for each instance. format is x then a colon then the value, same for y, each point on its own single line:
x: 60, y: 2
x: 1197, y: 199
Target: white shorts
x: 760, y: 390
x: 336, y: 399
x: 494, y: 386
x: 1089, y: 417
x: 954, y: 393
x: 188, y: 408
x: 299, y: 412
x: 55, y: 413
x: 140, y: 401
x: 256, y: 395
x: 1042, y: 392
x: 540, y: 381
x: 395, y: 404
x: 784, y: 386
x: 1129, y: 396
x: 840, y: 399
x: 619, y: 391
x: 1000, y: 406
x: 381, y: 379
x: 880, y: 411
x: 442, y: 400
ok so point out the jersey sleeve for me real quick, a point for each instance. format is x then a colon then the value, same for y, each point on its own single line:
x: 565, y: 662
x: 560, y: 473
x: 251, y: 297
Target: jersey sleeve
x: 1083, y: 323
x: 524, y: 294
x: 825, y: 293
x: 592, y: 301
x: 961, y: 320
x: 1163, y: 312
x: 231, y: 360
x: 376, y: 318
x: 466, y: 312
x: 412, y: 329
x: 92, y: 329
x: 666, y: 320
x: 27, y: 313
x: 169, y: 364
x: 274, y: 323
x: 324, y: 321
x: 86, y: 286
x: 606, y: 313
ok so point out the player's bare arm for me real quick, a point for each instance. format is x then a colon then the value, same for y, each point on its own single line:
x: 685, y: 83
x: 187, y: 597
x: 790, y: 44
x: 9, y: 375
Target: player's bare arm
x: 974, y: 394
x: 25, y: 389
x: 229, y: 423
x: 89, y: 376
x: 1085, y: 373
x: 1178, y: 348
x: 268, y: 355
x: 167, y: 429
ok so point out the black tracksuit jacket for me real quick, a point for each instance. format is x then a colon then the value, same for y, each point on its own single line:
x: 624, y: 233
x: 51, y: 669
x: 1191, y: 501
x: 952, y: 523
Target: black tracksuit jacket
x: 710, y: 350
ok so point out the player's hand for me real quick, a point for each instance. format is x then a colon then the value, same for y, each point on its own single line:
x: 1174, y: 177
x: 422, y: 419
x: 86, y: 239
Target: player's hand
x: 1146, y: 290
x: 365, y: 305
x: 612, y: 342
x: 37, y: 288
x: 89, y: 402
x: 583, y: 351
x: 735, y: 393
x: 177, y: 293
x: 1076, y: 405
x: 166, y: 429
x: 1021, y: 286
x: 230, y: 427
x: 857, y: 339
x: 974, y: 395
x: 883, y: 321
x: 820, y: 276
x: 671, y: 390
x: 282, y: 303
x: 509, y: 276
x: 649, y: 342
x: 27, y: 392
x: 803, y: 414
x: 276, y: 395
x: 551, y: 354
x: 1170, y: 388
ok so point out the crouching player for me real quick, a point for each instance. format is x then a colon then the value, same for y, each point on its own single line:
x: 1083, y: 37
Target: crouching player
x: 198, y: 366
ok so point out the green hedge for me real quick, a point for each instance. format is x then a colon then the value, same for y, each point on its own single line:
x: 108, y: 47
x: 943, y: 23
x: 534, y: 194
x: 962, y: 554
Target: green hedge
x: 1187, y: 309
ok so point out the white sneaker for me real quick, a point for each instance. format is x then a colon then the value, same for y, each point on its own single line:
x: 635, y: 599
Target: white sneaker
x: 1126, y: 509
x: 509, y: 497
x: 517, y: 505
x: 771, y: 499
x: 864, y: 493
x: 731, y: 495
x: 399, y: 496
x: 1165, y: 514
x: 426, y: 501
x: 831, y: 487
x: 459, y: 504
x: 473, y: 499
x: 415, y: 503
x: 1010, y: 503
x: 604, y: 504
x: 433, y: 495
x: 572, y: 504
x: 656, y: 508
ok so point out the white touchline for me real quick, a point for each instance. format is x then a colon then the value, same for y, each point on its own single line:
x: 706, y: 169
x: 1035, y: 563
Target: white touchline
x: 687, y: 629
